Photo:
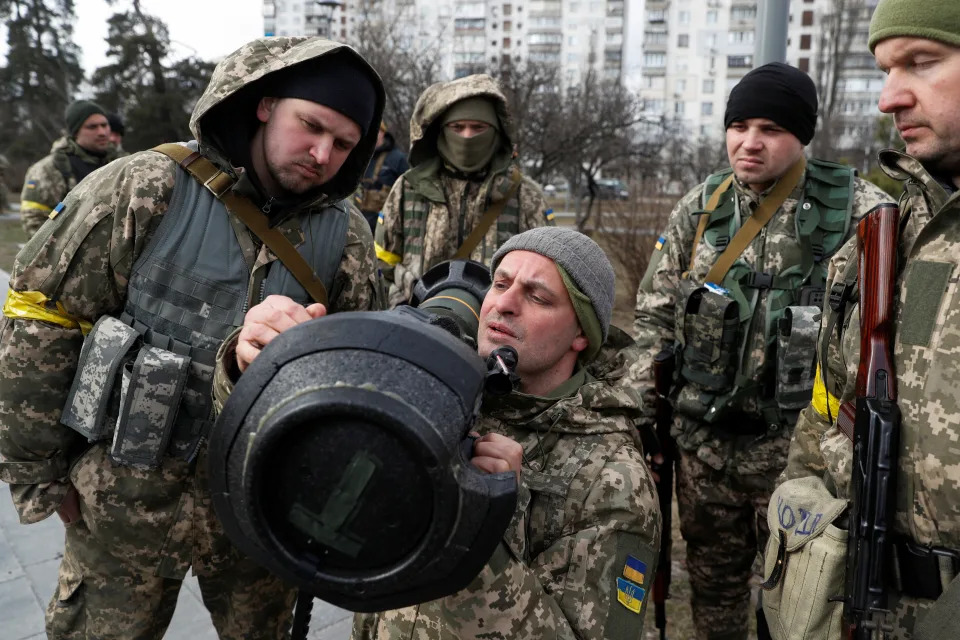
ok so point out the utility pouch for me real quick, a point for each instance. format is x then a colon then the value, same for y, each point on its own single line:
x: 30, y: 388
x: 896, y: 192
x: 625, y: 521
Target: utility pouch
x: 805, y: 562
x: 150, y: 397
x: 102, y: 355
x: 373, y: 199
x: 797, y: 333
x: 709, y: 326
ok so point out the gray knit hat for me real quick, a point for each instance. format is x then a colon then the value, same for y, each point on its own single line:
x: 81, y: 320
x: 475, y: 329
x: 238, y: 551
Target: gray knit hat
x: 579, y: 256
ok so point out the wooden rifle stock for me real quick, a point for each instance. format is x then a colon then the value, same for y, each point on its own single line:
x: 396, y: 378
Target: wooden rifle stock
x: 875, y: 421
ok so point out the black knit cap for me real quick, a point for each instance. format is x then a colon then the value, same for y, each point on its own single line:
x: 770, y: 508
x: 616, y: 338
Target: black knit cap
x: 77, y: 113
x: 338, y: 81
x: 116, y: 123
x: 778, y: 92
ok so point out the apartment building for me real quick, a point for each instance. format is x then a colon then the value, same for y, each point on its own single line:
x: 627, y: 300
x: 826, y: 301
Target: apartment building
x: 471, y: 35
x: 695, y: 51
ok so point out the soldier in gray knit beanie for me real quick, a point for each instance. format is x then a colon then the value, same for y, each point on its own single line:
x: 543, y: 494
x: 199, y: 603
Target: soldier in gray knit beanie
x: 586, y: 272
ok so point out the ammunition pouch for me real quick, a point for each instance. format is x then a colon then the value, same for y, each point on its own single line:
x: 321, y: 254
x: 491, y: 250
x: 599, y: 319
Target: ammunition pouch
x: 372, y: 199
x: 709, y: 327
x: 797, y: 332
x: 805, y: 562
x: 130, y: 392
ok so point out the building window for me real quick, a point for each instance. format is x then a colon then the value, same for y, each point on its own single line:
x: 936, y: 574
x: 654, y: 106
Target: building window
x: 681, y: 85
x: 706, y: 108
x: 683, y: 40
x: 740, y: 37
x: 506, y: 43
x: 657, y: 16
x: 507, y: 25
x: 739, y: 62
x: 804, y: 65
x: 807, y: 19
x: 743, y: 13
x: 655, y: 37
x: 708, y: 85
x: 507, y: 9
x: 712, y: 16
x: 805, y: 42
x: 679, y: 107
x: 655, y: 60
x: 683, y: 17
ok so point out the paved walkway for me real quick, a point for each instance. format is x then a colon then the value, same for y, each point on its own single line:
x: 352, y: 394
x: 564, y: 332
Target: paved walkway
x: 30, y: 555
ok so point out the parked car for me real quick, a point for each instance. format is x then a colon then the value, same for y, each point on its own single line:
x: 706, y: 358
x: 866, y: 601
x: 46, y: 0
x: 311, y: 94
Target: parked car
x: 608, y: 189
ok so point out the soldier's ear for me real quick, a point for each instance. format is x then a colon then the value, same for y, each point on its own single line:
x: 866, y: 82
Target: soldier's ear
x: 265, y: 108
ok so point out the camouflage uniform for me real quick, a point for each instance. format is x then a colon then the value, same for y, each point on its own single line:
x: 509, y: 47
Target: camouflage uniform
x: 432, y: 209
x: 924, y: 335
x: 587, y: 508
x: 142, y: 528
x: 726, y: 470
x: 49, y: 179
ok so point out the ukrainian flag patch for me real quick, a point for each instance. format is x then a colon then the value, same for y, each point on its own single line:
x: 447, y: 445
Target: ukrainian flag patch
x: 634, y: 570
x: 548, y: 214
x: 659, y: 244
x: 380, y: 218
x: 32, y: 184
x: 630, y: 595
x: 56, y: 210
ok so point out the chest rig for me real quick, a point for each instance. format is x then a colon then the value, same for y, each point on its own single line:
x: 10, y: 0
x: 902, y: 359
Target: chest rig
x: 714, y: 323
x: 144, y: 378
x: 418, y: 206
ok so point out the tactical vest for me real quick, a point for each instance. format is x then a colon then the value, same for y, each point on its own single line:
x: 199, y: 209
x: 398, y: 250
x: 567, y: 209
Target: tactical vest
x: 416, y: 209
x: 145, y: 379
x: 713, y: 344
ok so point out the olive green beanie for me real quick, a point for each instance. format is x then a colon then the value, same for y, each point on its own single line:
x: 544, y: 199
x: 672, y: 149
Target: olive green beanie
x: 931, y: 19
x: 77, y: 113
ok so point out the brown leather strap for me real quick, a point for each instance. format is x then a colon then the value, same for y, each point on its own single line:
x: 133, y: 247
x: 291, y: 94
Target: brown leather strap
x: 219, y: 183
x: 712, y: 204
x: 749, y: 230
x: 492, y: 214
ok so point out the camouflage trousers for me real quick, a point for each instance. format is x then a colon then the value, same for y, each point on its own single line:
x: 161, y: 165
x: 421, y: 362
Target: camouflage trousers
x: 723, y: 521
x: 124, y: 561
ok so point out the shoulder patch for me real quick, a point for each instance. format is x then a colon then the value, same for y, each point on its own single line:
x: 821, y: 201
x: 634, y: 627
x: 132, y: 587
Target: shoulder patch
x: 31, y: 184
x: 634, y: 570
x: 630, y: 595
x: 380, y: 218
x: 548, y: 214
x: 660, y: 242
x: 56, y: 210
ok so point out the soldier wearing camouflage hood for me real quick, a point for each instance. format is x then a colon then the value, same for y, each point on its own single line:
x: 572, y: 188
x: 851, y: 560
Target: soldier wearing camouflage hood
x: 85, y: 148
x: 462, y: 167
x: 117, y: 308
x: 735, y: 286
x: 917, y: 45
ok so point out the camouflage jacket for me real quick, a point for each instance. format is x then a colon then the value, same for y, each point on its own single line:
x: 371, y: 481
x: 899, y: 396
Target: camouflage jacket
x: 927, y: 306
x: 77, y: 268
x: 431, y: 210
x: 586, y: 531
x: 49, y: 179
x: 774, y: 248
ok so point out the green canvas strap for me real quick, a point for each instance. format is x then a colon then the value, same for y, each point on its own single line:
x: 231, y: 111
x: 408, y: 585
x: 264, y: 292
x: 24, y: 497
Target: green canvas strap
x: 757, y: 221
x: 711, y: 205
x: 491, y: 214
x: 219, y: 184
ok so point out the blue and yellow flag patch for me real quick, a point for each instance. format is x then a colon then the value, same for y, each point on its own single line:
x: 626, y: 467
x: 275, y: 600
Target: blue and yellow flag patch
x: 634, y: 570
x: 380, y: 218
x: 32, y: 184
x: 56, y: 211
x: 630, y: 595
x: 548, y: 214
x: 659, y: 245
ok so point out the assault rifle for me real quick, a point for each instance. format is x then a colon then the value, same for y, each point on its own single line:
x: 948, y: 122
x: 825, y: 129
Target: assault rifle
x: 663, y: 367
x: 873, y: 424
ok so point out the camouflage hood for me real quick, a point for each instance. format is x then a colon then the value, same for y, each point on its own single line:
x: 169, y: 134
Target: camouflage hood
x: 68, y: 146
x: 900, y: 166
x: 424, y: 125
x: 605, y: 403
x: 231, y: 97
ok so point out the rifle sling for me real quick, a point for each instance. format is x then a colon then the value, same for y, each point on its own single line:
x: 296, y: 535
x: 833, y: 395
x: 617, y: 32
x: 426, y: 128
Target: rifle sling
x: 492, y: 213
x: 219, y: 184
x: 712, y: 204
x: 757, y: 221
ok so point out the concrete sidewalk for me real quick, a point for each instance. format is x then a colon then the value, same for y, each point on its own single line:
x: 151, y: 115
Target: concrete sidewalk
x: 30, y: 556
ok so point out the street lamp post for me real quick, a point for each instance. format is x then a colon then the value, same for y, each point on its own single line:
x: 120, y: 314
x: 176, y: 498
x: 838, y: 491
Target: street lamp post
x: 325, y: 9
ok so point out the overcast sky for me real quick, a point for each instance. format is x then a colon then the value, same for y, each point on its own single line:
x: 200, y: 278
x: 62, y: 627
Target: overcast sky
x: 207, y: 28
